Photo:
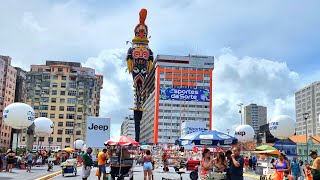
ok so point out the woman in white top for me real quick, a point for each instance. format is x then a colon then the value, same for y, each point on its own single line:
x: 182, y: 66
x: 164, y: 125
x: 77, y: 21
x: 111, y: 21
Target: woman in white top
x: 302, y: 174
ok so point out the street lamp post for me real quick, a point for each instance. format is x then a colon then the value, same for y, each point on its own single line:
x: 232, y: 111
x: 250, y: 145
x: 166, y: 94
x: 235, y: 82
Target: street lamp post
x: 240, y: 111
x: 306, y: 116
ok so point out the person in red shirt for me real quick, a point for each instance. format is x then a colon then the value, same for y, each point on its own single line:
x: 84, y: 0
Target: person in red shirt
x: 246, y: 164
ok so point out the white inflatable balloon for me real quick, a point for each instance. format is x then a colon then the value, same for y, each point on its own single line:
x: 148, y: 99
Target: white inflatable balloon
x: 78, y: 144
x: 43, y: 126
x: 244, y: 133
x: 18, y: 115
x: 282, y: 127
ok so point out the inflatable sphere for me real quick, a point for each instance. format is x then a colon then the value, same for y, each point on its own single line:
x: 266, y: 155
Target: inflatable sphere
x: 43, y: 126
x: 282, y: 126
x: 18, y: 115
x: 78, y: 144
x: 244, y: 133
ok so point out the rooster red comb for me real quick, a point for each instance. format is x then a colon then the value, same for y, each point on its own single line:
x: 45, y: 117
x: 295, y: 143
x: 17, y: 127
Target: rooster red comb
x: 143, y: 15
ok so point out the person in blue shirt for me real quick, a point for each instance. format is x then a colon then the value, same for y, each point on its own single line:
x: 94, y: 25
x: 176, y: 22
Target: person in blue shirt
x: 295, y: 169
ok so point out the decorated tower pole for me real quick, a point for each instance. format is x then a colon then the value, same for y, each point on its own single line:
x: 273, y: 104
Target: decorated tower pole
x: 139, y: 61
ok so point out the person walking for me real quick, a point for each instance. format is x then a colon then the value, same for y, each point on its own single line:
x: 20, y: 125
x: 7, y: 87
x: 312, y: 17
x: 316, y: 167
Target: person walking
x: 315, y: 168
x: 86, y: 163
x: 295, y: 169
x: 147, y: 165
x: 302, y: 173
x: 102, y: 157
x: 10, y: 159
x: 237, y: 163
x: 229, y: 159
x: 29, y: 161
x: 280, y: 166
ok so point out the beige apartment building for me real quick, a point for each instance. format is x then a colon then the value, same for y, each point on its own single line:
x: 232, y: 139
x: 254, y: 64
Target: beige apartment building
x: 8, y: 76
x: 255, y: 116
x: 307, y: 100
x: 66, y: 93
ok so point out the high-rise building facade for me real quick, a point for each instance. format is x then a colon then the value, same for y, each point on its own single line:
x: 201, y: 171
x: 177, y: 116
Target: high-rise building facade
x: 177, y: 89
x: 255, y: 116
x: 66, y: 93
x: 127, y: 127
x: 8, y: 76
x: 307, y: 100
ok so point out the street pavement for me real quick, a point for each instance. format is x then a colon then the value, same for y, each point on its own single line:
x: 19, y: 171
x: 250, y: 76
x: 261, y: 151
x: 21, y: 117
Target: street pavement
x: 138, y: 175
x: 36, y: 172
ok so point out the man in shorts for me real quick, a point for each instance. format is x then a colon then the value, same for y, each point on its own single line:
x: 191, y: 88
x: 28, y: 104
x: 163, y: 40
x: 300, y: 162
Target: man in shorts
x: 29, y: 161
x: 86, y: 163
x: 102, y: 156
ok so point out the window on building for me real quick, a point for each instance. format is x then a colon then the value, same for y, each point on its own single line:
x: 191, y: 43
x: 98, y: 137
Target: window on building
x: 60, y: 124
x: 81, y: 93
x: 41, y: 139
x: 59, y: 139
x: 71, y: 101
x: 69, y: 124
x: 61, y: 108
x: 45, y: 91
x: 36, y: 107
x: 50, y: 139
x: 62, y: 93
x: 44, y: 99
x: 62, y: 100
x: 79, y: 117
x: 72, y: 85
x: 53, y: 100
x: 43, y: 114
x: 54, y: 92
x: 60, y: 69
x: 68, y: 131
x: 71, y: 108
x: 61, y: 116
x: 63, y: 77
x: 72, y: 93
x: 63, y: 85
x: 80, y: 109
x: 60, y: 131
x: 53, y: 108
x: 52, y: 116
x: 70, y: 116
x: 54, y: 77
x: 54, y: 85
x: 80, y: 101
x: 78, y: 132
x: 23, y: 138
x: 67, y: 140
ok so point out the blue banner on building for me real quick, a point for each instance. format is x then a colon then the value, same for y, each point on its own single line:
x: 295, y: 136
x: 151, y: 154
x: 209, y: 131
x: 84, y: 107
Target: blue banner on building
x: 191, y: 130
x: 184, y: 94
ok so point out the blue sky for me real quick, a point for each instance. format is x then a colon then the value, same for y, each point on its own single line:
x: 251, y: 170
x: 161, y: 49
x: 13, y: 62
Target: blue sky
x: 277, y: 41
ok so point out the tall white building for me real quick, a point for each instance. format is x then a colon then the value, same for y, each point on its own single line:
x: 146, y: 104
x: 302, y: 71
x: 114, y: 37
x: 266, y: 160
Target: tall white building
x: 255, y: 116
x: 307, y: 100
x: 177, y: 89
x: 127, y: 127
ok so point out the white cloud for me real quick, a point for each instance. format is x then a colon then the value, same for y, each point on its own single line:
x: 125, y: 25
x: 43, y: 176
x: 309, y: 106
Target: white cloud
x: 31, y: 23
x: 251, y: 80
x: 117, y: 92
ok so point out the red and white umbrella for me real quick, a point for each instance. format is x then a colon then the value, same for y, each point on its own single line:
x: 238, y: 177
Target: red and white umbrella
x: 122, y: 141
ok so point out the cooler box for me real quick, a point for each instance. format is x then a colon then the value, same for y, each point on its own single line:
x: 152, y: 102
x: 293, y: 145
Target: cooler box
x: 191, y: 164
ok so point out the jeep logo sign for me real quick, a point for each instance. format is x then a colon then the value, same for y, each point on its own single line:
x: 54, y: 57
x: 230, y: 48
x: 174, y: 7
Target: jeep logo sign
x: 240, y: 133
x: 97, y: 130
x: 98, y: 127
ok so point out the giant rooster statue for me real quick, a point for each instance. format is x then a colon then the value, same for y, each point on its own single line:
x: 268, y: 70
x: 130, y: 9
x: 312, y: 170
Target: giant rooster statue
x: 139, y: 61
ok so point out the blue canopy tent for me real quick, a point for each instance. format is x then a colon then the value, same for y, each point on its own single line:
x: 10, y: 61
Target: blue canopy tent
x: 209, y: 138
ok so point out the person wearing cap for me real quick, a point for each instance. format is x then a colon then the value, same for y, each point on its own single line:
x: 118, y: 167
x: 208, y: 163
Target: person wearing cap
x: 315, y: 168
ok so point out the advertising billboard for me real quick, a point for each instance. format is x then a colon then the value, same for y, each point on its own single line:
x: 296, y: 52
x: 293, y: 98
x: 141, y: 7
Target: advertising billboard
x: 188, y: 127
x: 184, y: 94
x: 97, y: 132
